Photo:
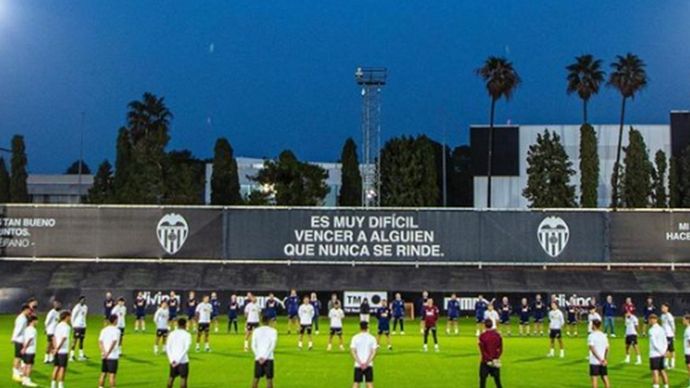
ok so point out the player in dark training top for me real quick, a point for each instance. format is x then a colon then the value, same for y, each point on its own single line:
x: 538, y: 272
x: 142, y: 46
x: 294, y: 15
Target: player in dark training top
x: 234, y: 311
x: 291, y: 304
x: 314, y: 300
x: 398, y: 307
x: 430, y: 318
x: 504, y: 312
x: 525, y: 313
x: 271, y: 309
x: 571, y: 312
x: 480, y: 307
x: 648, y: 309
x: 540, y: 312
x: 215, y: 312
x: 108, y: 305
x: 453, y: 309
x: 140, y: 312
x: 173, y: 306
x: 383, y: 314
x: 191, y: 311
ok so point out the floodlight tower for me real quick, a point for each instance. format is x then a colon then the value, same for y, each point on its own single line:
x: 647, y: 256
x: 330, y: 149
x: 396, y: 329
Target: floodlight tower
x: 371, y: 80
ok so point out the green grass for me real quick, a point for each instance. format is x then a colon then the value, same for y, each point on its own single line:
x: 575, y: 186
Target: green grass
x: 524, y: 361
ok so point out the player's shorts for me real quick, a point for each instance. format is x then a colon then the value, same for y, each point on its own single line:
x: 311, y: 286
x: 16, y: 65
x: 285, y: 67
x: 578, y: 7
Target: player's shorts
x: 122, y: 332
x: 109, y: 366
x: 181, y: 370
x: 292, y: 315
x: 480, y: 319
x: 572, y: 319
x: 367, y: 375
x: 50, y: 338
x: 336, y: 331
x: 250, y: 326
x: 204, y: 327
x: 671, y: 347
x: 107, y: 314
x: 538, y: 319
x: 61, y: 360
x: 214, y: 316
x: 656, y: 363
x: 453, y: 318
x: 384, y: 330
x: 172, y: 315
x: 598, y: 370
x: 29, y: 358
x: 305, y: 328
x: 524, y: 322
x: 191, y: 317
x: 687, y: 359
x: 80, y: 332
x: 18, y: 349
x: 430, y: 328
x: 555, y: 333
x: 140, y: 315
x: 265, y: 370
x: 161, y: 333
x: 631, y: 339
x: 505, y: 320
x: 646, y: 320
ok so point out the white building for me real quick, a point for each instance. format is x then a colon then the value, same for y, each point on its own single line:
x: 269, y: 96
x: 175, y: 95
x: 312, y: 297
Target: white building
x: 58, y: 188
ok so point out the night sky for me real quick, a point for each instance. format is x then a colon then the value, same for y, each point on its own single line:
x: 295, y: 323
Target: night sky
x: 271, y: 75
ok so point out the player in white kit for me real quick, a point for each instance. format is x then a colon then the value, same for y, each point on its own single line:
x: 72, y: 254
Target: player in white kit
x: 556, y: 323
x: 306, y: 320
x: 203, y: 318
x: 631, y: 324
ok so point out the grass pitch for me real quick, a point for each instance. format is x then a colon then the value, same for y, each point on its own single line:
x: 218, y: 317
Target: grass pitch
x: 456, y: 365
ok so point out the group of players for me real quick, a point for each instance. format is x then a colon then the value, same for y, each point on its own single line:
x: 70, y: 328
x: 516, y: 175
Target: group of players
x: 66, y: 330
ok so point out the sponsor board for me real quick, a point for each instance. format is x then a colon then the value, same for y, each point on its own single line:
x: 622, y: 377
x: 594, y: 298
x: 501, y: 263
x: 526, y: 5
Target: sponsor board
x: 353, y: 299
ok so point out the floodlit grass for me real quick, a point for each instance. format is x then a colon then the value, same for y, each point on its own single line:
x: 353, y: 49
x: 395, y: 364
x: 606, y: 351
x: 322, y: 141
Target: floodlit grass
x: 524, y: 361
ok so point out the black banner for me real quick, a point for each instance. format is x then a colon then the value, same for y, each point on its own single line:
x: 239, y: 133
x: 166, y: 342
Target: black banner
x: 650, y: 236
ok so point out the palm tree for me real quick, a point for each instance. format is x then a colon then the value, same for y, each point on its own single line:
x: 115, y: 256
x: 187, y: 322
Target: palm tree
x: 584, y: 77
x: 501, y: 80
x: 628, y: 77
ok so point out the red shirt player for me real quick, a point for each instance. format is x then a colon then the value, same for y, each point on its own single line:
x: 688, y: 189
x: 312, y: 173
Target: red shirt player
x: 430, y: 318
x: 629, y: 306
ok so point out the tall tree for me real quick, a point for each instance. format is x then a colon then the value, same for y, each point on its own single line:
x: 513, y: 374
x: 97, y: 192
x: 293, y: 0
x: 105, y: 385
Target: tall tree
x: 123, y: 163
x: 408, y: 173
x: 183, y: 178
x: 674, y: 189
x: 628, y: 77
x: 225, y: 181
x: 102, y: 189
x: 442, y: 151
x: 501, y: 79
x: 637, y: 181
x: 351, y: 185
x: 589, y: 167
x: 659, y: 180
x: 4, y: 182
x: 584, y: 78
x: 294, y: 183
x: 683, y: 172
x: 460, y: 181
x: 19, y: 191
x: 73, y: 169
x: 549, y: 171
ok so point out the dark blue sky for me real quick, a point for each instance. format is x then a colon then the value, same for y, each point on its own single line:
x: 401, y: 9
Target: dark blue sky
x: 273, y: 75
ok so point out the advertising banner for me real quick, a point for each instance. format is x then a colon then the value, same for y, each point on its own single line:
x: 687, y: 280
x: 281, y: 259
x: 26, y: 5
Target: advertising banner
x: 650, y: 236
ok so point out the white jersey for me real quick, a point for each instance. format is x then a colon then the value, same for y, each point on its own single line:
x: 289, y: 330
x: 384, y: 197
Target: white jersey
x: 120, y: 311
x: 252, y: 311
x: 62, y: 331
x: 364, y: 344
x: 30, y: 339
x: 177, y: 346
x: 264, y: 340
x: 492, y: 315
x: 669, y: 324
x: 161, y: 318
x: 686, y: 341
x: 600, y: 343
x: 20, y: 324
x: 51, y: 321
x: 631, y: 323
x: 336, y: 316
x: 110, y: 334
x: 79, y: 313
x: 658, y: 344
x: 556, y: 319
x: 590, y: 319
x: 204, y: 310
x: 306, y: 314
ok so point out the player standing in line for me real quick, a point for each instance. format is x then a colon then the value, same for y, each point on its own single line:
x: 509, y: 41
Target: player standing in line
x: 291, y: 304
x: 539, y: 314
x: 140, y: 312
x: 79, y: 314
x: 191, y: 311
x: 317, y: 311
x: 203, y: 317
x: 51, y: 321
x: 108, y: 305
x: 571, y: 307
x: 629, y: 306
x: 591, y: 317
x: 173, y: 307
x: 364, y: 310
x: 61, y: 349
x: 233, y: 312
x: 430, y: 319
x: 491, y: 314
x: 668, y: 323
x: 336, y: 316
x: 421, y: 305
x: 29, y: 351
x: 33, y: 306
x: 398, y: 307
x: 271, y: 309
x: 383, y: 314
x: 331, y: 302
x: 556, y: 323
x: 631, y: 323
x: 161, y: 319
x: 109, y: 344
x: 525, y: 313
x: 253, y: 312
x: 598, y: 353
x: 306, y: 320
x: 480, y: 307
x: 177, y: 348
x: 215, y: 313
x: 264, y: 340
x: 609, y: 311
x: 363, y: 350
x: 686, y: 342
x: 453, y: 314
x: 504, y: 312
x: 120, y: 311
x: 658, y: 345
x: 648, y: 310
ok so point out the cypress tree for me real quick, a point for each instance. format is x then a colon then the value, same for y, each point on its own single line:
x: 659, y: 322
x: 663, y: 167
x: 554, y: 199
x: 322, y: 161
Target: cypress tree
x: 589, y: 167
x: 102, y: 189
x: 637, y: 183
x: 684, y: 179
x: 4, y: 182
x: 18, y: 189
x: 225, y: 182
x: 408, y: 173
x: 659, y: 179
x: 351, y: 185
x: 123, y: 161
x: 674, y: 189
x: 549, y: 171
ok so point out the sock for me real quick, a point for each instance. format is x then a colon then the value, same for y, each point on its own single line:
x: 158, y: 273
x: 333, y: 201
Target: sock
x: 81, y: 353
x: 246, y: 344
x: 155, y: 348
x: 53, y: 384
x: 655, y: 386
x: 299, y: 344
x: 61, y: 385
x: 310, y: 344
